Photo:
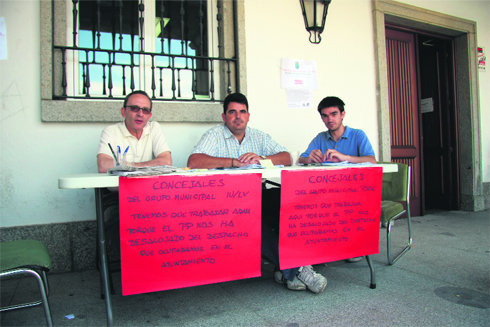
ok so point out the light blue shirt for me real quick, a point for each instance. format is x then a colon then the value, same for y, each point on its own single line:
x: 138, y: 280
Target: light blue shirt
x: 353, y: 142
x: 220, y: 142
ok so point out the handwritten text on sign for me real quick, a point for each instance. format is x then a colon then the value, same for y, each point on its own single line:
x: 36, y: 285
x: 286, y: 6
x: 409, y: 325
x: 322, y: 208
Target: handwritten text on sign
x: 329, y: 214
x: 179, y: 231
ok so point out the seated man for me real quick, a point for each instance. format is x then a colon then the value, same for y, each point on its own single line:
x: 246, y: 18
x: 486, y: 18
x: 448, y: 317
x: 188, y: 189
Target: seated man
x: 234, y: 144
x: 339, y: 142
x: 146, y: 146
x: 142, y: 140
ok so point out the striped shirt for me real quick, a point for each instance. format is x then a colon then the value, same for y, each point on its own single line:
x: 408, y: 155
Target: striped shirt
x: 220, y: 142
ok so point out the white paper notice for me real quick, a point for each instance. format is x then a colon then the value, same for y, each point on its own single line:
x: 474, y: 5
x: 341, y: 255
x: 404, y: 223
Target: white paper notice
x: 3, y: 39
x: 298, y: 74
x: 297, y: 98
x: 298, y: 78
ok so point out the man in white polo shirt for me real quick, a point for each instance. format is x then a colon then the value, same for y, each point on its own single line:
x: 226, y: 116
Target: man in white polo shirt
x: 136, y: 140
x: 140, y: 143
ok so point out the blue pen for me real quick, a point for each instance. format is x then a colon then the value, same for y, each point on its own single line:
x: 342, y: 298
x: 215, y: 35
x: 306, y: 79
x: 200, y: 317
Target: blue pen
x: 118, y: 154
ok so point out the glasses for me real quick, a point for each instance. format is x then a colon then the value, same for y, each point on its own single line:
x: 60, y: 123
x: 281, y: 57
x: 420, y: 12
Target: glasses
x: 146, y: 111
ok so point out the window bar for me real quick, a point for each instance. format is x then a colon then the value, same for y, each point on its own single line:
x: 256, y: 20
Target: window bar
x: 219, y: 19
x: 63, y: 71
x: 182, y: 21
x: 211, y: 73
x: 104, y: 92
x: 75, y: 17
x: 162, y: 26
x: 228, y: 75
x: 179, y: 87
x: 113, y: 25
x: 124, y: 79
x: 172, y: 67
x: 161, y: 81
x: 84, y: 68
x: 109, y: 82
x: 132, y: 72
x: 201, y: 27
x: 120, y: 25
x: 86, y: 81
x: 141, y: 19
x: 169, y: 38
x: 194, y: 80
x: 153, y: 86
x: 98, y: 25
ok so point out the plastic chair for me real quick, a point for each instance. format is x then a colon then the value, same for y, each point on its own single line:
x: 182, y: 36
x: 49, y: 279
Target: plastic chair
x: 27, y: 257
x: 396, y: 193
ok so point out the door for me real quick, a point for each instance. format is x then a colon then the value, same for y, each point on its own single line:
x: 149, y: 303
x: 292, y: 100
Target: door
x: 404, y: 114
x: 438, y: 123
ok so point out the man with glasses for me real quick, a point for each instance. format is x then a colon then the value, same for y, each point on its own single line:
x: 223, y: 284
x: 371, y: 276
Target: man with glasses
x: 136, y: 140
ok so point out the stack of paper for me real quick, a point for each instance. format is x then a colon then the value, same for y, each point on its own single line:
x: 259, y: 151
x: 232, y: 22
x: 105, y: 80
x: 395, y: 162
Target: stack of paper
x: 141, y: 171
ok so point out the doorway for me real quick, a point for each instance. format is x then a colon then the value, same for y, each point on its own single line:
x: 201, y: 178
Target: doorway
x: 463, y: 34
x: 423, y: 120
x: 438, y: 121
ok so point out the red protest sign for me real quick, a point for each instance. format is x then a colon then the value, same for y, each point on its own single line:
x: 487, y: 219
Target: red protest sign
x: 329, y: 215
x: 179, y: 231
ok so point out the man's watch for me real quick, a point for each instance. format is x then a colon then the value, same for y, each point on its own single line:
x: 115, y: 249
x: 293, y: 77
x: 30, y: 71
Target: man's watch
x: 263, y: 157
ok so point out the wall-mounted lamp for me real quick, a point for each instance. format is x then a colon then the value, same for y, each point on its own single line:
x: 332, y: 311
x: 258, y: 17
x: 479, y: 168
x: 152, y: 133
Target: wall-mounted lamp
x: 315, y: 14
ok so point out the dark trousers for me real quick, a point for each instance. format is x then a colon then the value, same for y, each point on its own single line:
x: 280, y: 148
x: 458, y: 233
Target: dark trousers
x: 271, y: 204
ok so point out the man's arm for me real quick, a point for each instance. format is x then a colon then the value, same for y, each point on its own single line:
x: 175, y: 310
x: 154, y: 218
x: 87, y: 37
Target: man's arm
x: 315, y: 156
x: 104, y: 162
x: 335, y: 156
x: 201, y: 160
x: 281, y: 158
x: 164, y: 158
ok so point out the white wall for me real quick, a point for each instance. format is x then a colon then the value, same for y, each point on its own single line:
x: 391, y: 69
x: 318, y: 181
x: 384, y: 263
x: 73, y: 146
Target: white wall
x: 34, y: 154
x: 345, y: 63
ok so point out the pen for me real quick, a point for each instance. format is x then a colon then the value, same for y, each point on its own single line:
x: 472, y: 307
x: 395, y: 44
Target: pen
x: 113, y: 154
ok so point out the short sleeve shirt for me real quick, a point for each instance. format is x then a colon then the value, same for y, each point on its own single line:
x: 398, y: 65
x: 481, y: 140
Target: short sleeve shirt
x: 220, y: 142
x: 353, y: 142
x: 150, y: 145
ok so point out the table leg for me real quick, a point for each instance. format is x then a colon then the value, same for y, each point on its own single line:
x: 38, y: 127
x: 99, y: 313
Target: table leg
x: 373, y: 274
x: 104, y: 270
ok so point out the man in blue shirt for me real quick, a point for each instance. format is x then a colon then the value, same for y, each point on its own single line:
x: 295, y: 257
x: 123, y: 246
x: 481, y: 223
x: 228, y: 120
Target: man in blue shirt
x: 234, y: 144
x: 339, y: 143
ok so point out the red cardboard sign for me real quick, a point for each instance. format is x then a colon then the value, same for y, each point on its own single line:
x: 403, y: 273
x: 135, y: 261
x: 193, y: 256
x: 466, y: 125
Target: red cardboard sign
x: 329, y: 215
x: 179, y: 231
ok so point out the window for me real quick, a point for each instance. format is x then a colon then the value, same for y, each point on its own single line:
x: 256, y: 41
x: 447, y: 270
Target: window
x: 183, y: 53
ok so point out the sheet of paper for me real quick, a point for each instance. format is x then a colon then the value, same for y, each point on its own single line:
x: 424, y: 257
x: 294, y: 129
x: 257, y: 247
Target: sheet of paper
x: 180, y: 231
x: 298, y: 74
x: 329, y: 215
x: 299, y: 98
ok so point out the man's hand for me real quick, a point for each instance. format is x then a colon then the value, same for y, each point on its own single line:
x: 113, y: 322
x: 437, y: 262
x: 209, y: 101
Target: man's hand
x: 333, y: 155
x: 316, y: 156
x: 248, y: 158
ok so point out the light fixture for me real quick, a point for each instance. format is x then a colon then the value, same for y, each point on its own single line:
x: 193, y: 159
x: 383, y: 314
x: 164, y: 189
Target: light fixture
x: 314, y: 14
